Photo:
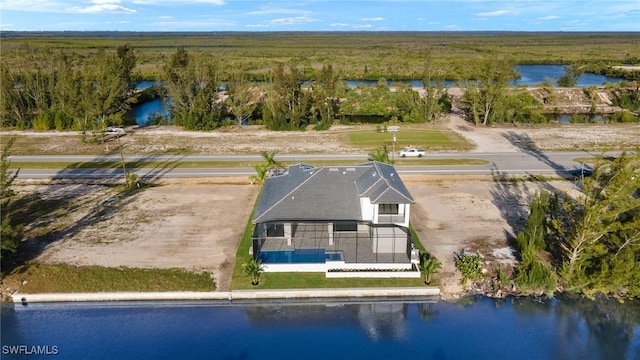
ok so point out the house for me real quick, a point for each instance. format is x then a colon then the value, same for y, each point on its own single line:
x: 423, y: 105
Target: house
x: 341, y: 220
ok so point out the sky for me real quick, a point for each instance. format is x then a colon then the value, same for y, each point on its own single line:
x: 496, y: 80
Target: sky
x: 320, y: 15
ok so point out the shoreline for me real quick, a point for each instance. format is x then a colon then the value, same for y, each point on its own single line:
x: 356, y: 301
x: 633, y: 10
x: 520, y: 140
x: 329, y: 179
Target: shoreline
x: 343, y: 295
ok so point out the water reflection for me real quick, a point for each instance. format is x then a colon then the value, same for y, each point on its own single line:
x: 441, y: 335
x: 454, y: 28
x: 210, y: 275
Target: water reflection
x: 479, y: 328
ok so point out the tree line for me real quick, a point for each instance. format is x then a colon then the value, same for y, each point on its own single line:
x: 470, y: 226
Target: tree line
x: 92, y: 93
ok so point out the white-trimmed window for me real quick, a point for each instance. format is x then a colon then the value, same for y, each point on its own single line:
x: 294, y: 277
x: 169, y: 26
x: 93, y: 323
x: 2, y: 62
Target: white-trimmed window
x: 388, y: 209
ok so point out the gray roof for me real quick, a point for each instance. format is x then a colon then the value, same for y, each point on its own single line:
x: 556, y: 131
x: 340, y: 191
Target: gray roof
x: 328, y: 193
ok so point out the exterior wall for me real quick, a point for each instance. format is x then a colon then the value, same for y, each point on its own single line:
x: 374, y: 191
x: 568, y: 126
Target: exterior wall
x: 369, y: 210
x: 393, y: 270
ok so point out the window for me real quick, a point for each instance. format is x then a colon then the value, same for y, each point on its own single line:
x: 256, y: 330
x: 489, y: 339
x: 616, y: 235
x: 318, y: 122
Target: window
x: 388, y: 209
x: 275, y: 230
x: 345, y: 226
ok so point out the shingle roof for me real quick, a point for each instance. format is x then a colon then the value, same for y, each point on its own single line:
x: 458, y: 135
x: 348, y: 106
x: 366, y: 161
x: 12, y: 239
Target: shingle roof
x: 328, y: 193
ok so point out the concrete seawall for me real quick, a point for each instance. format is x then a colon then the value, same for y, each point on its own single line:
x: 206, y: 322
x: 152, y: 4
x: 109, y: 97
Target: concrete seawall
x: 428, y: 293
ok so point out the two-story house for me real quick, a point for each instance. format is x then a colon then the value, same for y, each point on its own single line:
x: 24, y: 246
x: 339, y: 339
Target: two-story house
x: 334, y: 219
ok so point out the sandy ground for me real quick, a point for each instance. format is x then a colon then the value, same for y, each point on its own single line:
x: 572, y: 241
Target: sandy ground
x: 191, y: 225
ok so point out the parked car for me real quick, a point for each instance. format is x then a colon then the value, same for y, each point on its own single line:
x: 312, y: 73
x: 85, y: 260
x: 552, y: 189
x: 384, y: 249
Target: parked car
x: 410, y: 151
x: 115, y: 131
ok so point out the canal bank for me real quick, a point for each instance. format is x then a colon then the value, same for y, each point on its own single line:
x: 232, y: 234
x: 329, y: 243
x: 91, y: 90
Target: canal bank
x: 344, y: 295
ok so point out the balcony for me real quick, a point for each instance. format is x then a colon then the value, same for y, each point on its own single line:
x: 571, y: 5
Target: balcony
x: 390, y: 218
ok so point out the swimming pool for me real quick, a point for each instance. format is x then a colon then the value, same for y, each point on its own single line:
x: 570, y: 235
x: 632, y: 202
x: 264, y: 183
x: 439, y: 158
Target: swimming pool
x: 298, y: 256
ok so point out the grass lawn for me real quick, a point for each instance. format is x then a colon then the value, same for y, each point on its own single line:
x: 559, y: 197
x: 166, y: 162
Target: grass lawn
x: 432, y: 139
x: 39, y: 278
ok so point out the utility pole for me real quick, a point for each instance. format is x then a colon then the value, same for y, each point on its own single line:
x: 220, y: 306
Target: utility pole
x: 393, y: 130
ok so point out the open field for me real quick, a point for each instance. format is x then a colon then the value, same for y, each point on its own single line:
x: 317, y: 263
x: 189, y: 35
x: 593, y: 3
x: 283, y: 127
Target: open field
x: 358, y: 55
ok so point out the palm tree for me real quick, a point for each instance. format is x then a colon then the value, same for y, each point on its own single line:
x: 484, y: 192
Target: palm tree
x: 269, y: 166
x: 430, y: 266
x: 380, y: 155
x: 254, y: 269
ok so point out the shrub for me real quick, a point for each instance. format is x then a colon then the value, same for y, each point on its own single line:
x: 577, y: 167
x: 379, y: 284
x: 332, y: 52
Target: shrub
x: 468, y: 265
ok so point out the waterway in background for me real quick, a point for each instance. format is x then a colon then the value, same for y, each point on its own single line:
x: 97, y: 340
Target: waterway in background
x: 480, y: 328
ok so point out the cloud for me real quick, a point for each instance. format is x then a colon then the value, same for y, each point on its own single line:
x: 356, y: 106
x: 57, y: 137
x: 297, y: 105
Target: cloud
x: 179, y: 2
x: 272, y: 11
x: 352, y: 26
x: 373, y: 19
x: 550, y: 17
x: 101, y: 6
x: 296, y: 20
x: 495, y: 13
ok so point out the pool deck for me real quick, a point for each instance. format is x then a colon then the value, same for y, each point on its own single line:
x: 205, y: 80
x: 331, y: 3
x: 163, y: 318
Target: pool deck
x: 242, y: 296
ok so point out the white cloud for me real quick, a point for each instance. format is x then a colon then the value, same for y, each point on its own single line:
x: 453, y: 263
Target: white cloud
x: 373, y: 19
x: 257, y: 26
x: 495, y: 13
x: 550, y: 17
x: 293, y: 20
x: 271, y: 11
x: 179, y: 2
x: 101, y: 6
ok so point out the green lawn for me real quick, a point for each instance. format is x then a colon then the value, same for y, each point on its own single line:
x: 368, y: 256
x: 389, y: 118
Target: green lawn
x: 39, y: 278
x: 427, y: 139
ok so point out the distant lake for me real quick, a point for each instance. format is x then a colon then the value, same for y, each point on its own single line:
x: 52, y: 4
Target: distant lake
x: 481, y: 328
x: 536, y: 74
x: 530, y: 75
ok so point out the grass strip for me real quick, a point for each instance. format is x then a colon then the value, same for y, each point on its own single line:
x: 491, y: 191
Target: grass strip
x: 62, y: 278
x: 427, y: 139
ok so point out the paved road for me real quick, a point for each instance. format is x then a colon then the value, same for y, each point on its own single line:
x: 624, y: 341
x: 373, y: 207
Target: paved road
x: 504, y: 163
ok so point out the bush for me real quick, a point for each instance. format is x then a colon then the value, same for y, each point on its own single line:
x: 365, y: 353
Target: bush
x: 535, y: 275
x: 468, y: 265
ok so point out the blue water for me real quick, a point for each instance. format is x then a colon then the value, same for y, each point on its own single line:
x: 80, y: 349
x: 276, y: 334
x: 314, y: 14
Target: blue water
x: 529, y: 75
x: 297, y: 256
x: 145, y: 112
x: 537, y: 74
x: 481, y: 329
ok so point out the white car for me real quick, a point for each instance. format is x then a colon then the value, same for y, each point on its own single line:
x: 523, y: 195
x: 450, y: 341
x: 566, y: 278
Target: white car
x: 115, y: 131
x: 411, y: 152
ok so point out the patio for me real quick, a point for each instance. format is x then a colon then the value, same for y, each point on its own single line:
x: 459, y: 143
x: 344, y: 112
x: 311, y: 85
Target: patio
x: 354, y: 246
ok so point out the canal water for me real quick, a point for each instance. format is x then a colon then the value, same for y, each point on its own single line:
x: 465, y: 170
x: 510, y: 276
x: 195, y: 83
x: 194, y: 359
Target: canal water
x: 474, y: 328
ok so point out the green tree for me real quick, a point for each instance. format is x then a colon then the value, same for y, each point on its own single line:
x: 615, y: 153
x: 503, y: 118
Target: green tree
x: 597, y: 235
x: 324, y: 96
x: 288, y: 105
x: 534, y: 273
x: 486, y: 93
x: 270, y: 164
x: 193, y: 85
x: 429, y: 266
x: 571, y: 75
x: 380, y: 155
x: 244, y: 98
x: 253, y: 268
x: 10, y: 233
